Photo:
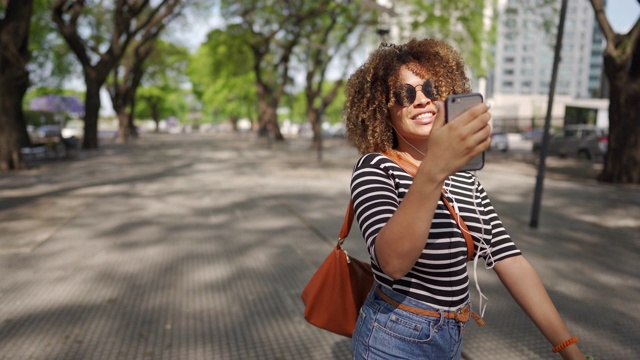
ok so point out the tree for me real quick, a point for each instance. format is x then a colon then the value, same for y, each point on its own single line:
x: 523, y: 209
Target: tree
x: 99, y: 34
x: 14, y: 80
x: 221, y: 72
x: 151, y: 104
x: 164, y: 74
x: 128, y: 75
x: 622, y: 68
x: 274, y: 29
x: 123, y: 86
x: 330, y: 38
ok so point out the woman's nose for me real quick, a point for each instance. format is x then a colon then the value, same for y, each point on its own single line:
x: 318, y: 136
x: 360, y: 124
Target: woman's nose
x: 421, y: 98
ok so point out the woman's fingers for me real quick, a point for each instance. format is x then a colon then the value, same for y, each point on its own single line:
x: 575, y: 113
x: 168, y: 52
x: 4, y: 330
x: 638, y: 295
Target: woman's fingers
x: 454, y: 144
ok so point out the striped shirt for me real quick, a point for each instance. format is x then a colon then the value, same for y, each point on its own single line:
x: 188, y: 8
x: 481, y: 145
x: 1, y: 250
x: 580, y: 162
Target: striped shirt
x: 439, y: 277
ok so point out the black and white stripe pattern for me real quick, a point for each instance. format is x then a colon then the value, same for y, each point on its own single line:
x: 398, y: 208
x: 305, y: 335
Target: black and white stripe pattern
x: 439, y: 277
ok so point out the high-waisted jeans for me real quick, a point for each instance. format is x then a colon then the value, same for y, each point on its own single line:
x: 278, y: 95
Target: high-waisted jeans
x: 385, y: 332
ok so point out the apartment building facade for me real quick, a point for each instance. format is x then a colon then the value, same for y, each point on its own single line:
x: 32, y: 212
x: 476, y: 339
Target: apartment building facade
x: 524, y: 55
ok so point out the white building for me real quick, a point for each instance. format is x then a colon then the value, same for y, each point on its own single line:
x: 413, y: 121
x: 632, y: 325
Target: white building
x: 524, y: 60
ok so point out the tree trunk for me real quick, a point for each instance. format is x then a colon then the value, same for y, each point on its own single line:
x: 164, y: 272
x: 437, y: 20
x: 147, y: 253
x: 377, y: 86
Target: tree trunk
x: 123, y: 126
x: 313, y: 116
x: 119, y: 104
x: 133, y: 131
x: 264, y: 116
x: 622, y: 162
x: 91, y: 112
x: 275, y: 128
x: 268, y: 122
x: 155, y: 114
x: 622, y: 67
x: 234, y: 122
x: 14, y: 81
x: 10, y: 106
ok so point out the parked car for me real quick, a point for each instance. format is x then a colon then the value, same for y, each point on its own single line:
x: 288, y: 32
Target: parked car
x: 584, y: 141
x: 536, y: 139
x: 499, y: 141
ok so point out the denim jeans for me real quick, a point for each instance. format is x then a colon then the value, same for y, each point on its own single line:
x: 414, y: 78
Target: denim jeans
x: 385, y: 332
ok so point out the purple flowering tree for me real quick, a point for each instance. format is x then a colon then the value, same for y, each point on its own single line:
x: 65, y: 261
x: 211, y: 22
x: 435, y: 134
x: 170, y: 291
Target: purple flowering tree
x: 58, y: 104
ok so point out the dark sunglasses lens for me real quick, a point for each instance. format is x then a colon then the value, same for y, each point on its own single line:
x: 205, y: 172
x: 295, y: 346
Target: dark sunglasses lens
x: 427, y: 90
x: 405, y: 95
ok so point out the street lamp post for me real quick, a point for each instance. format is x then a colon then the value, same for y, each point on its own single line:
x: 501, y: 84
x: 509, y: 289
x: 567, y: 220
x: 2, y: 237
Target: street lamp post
x: 547, y: 122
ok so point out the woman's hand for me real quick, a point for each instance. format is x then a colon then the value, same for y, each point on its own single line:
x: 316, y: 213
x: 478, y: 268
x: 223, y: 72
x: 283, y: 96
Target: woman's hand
x: 452, y: 145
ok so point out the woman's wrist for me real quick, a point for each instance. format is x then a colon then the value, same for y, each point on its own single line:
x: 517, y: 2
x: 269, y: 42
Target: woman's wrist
x: 572, y: 352
x: 431, y: 176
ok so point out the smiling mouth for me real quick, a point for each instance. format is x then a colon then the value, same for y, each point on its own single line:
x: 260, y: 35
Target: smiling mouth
x: 425, y: 117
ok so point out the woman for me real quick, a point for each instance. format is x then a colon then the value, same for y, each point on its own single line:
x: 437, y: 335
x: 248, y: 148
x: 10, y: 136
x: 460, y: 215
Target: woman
x: 419, y: 305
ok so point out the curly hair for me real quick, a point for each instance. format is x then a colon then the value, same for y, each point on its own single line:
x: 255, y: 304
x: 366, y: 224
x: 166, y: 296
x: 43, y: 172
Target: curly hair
x: 368, y: 90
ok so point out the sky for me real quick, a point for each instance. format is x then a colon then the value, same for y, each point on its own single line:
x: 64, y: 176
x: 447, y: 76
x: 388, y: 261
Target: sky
x: 622, y: 14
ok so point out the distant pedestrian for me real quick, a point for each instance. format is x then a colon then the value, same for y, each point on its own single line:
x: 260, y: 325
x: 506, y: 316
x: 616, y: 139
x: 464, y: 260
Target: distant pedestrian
x: 420, y: 302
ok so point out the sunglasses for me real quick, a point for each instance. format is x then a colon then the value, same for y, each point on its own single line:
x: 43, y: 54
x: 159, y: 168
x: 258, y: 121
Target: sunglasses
x: 406, y: 94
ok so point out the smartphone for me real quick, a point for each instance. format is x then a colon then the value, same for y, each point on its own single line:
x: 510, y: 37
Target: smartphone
x: 454, y: 106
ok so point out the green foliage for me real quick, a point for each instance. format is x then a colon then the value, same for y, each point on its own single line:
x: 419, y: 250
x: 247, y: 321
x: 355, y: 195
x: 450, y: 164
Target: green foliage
x: 333, y: 111
x: 221, y: 72
x: 51, y: 63
x: 163, y: 90
x: 37, y: 118
x: 154, y: 99
x: 167, y: 66
x: 460, y: 23
x: 330, y: 39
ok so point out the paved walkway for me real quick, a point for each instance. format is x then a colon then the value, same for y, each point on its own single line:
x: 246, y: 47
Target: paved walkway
x: 197, y: 247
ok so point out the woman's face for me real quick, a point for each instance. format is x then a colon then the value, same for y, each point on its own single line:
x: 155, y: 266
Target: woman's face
x: 413, y: 120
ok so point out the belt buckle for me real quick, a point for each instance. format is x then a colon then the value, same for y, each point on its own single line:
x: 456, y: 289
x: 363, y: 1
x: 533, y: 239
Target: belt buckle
x: 462, y: 314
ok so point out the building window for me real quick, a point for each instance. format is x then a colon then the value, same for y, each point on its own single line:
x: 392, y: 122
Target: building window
x: 509, y: 60
x: 507, y: 84
x: 507, y: 72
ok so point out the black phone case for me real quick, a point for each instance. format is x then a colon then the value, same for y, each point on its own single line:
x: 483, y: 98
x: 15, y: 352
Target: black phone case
x: 456, y: 105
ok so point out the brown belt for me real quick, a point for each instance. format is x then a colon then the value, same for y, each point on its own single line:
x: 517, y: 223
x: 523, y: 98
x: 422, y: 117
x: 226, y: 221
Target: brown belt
x: 460, y: 315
